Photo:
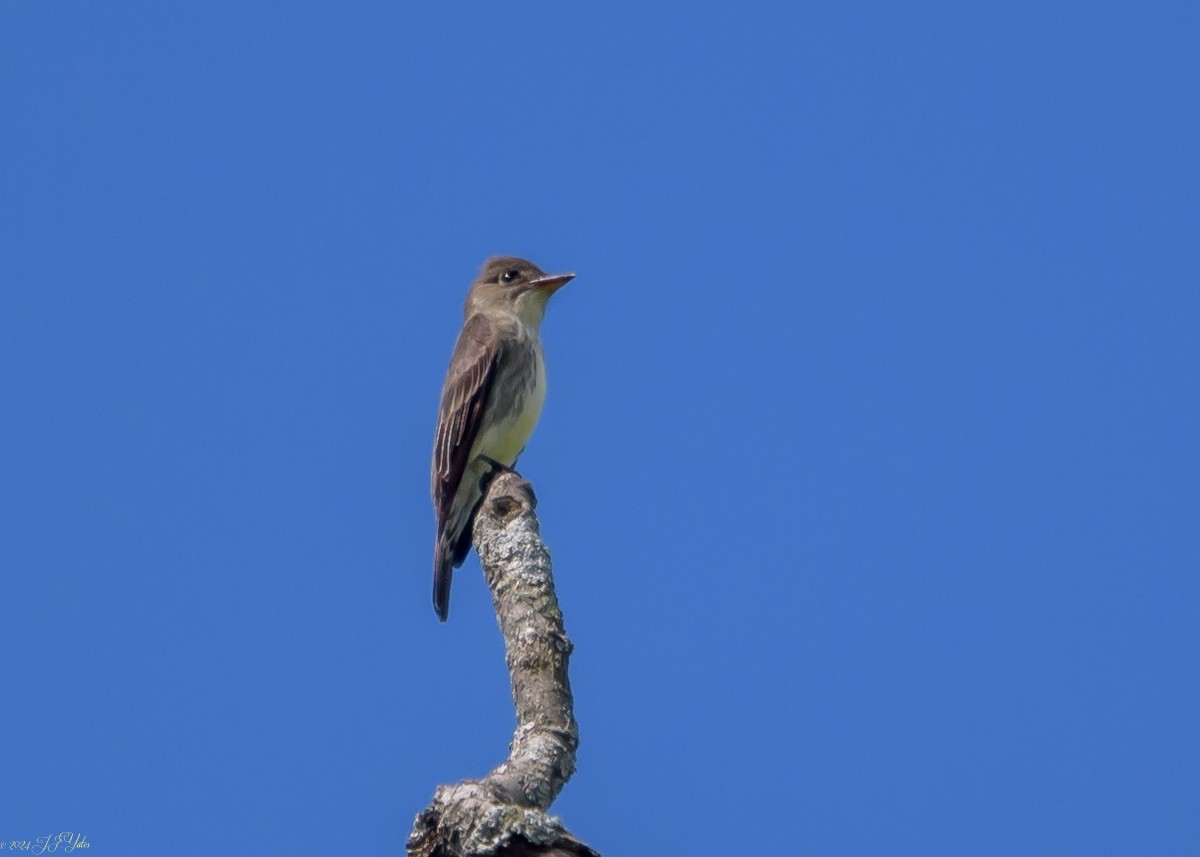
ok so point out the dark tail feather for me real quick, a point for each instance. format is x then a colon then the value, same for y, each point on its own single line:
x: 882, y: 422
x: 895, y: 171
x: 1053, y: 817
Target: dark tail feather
x: 443, y: 573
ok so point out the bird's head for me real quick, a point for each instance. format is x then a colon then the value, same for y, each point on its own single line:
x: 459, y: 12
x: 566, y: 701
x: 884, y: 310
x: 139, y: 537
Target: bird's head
x: 514, y: 285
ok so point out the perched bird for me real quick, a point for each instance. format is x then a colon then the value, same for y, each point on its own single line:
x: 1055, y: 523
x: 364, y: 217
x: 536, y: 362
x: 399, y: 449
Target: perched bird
x: 491, y: 401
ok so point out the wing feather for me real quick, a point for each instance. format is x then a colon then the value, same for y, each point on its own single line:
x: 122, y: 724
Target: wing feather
x: 464, y: 399
x: 465, y: 396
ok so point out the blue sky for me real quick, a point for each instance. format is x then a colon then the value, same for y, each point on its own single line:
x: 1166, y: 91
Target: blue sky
x: 868, y: 462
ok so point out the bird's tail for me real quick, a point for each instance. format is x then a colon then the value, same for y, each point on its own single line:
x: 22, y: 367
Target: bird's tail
x: 443, y: 573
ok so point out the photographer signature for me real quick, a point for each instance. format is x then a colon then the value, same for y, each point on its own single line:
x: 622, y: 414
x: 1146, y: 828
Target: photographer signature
x: 64, y: 843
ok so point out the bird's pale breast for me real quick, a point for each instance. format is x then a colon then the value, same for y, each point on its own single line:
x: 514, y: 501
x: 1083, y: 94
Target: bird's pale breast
x: 507, y: 435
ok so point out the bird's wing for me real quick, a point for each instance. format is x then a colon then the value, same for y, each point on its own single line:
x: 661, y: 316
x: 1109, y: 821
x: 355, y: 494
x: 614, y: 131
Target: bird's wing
x: 464, y: 398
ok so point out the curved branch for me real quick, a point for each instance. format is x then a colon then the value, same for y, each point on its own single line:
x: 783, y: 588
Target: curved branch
x: 505, y: 813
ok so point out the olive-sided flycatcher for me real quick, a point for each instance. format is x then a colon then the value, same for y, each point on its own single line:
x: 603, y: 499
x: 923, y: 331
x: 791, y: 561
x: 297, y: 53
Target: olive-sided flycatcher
x: 491, y: 401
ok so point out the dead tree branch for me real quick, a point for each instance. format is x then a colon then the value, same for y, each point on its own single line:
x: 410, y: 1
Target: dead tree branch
x: 504, y: 814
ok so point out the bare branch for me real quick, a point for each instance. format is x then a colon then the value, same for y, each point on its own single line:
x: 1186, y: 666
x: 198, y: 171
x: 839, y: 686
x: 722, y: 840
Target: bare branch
x: 504, y: 814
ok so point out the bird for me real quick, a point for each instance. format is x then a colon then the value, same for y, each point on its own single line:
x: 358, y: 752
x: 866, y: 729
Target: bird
x: 491, y: 400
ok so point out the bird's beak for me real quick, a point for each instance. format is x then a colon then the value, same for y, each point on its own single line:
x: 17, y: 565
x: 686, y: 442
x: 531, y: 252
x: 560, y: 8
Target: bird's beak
x: 551, y: 283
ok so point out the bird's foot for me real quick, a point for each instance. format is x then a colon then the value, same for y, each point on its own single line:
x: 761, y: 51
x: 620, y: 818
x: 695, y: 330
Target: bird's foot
x: 495, y: 467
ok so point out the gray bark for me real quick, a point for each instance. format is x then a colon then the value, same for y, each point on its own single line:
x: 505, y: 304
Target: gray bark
x: 504, y: 814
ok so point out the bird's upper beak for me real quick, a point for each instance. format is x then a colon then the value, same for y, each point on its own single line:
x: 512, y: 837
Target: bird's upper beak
x: 551, y: 283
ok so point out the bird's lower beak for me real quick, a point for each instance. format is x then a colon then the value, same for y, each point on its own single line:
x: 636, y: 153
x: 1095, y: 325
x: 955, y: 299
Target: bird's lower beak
x: 551, y: 283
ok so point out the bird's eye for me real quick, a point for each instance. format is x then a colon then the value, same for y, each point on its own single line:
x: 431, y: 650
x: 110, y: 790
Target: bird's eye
x: 510, y: 275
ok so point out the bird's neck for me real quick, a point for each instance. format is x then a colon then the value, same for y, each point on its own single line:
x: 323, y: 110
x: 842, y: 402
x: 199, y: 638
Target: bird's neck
x: 517, y: 323
x: 531, y: 313
x: 529, y: 310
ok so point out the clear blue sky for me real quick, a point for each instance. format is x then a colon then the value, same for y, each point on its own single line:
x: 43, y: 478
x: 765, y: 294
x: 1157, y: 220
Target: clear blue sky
x: 868, y: 463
